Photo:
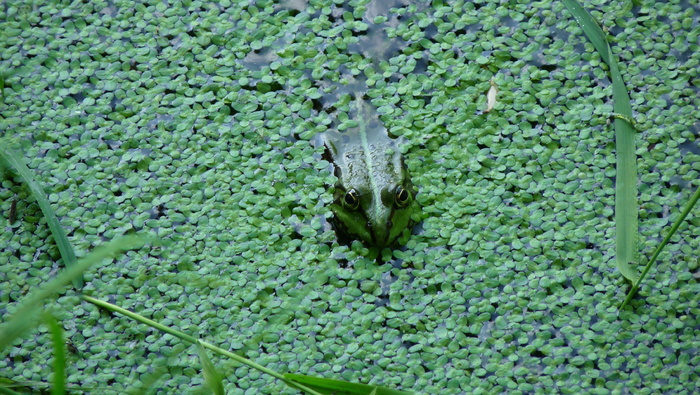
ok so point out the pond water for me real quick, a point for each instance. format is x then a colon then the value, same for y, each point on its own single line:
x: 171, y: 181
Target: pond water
x: 199, y: 122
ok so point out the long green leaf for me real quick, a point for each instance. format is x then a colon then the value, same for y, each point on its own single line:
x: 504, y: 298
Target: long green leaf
x: 194, y: 340
x: 33, y: 387
x: 59, y: 356
x: 28, y: 311
x: 5, y: 385
x: 64, y: 247
x: 626, y: 228
x: 339, y: 387
x: 147, y: 383
x: 316, y: 385
x: 211, y: 375
x: 689, y: 206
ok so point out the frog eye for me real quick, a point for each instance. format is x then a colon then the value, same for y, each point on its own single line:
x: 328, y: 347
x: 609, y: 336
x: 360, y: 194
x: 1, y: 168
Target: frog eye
x: 402, y: 197
x: 351, y: 200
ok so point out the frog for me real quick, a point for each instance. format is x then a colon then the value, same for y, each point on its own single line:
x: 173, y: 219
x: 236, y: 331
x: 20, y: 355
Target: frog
x: 374, y: 197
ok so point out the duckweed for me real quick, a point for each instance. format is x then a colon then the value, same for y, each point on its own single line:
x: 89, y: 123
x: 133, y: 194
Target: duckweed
x: 203, y: 133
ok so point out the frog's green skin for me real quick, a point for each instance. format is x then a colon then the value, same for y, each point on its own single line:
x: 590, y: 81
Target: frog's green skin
x: 374, y: 195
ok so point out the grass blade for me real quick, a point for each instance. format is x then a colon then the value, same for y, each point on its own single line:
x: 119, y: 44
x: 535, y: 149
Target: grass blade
x: 339, y: 387
x: 147, y: 385
x: 317, y: 386
x: 193, y: 340
x: 211, y: 375
x: 691, y: 203
x: 64, y: 247
x: 5, y: 385
x: 59, y: 356
x: 40, y: 387
x: 27, y: 313
x: 626, y: 228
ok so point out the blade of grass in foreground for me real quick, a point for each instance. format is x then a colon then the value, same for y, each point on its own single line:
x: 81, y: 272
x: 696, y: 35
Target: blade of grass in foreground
x: 339, y: 387
x: 288, y: 379
x: 28, y: 311
x: 147, y: 383
x: 626, y: 231
x: 66, y: 250
x: 211, y: 375
x: 5, y: 385
x: 41, y: 387
x: 59, y: 356
x: 691, y: 203
x: 194, y: 340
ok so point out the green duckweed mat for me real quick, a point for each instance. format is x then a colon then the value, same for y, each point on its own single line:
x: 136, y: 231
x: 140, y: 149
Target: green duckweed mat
x: 195, y: 122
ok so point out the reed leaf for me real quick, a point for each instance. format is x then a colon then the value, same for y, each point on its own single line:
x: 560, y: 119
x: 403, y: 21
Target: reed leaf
x: 339, y: 387
x: 59, y: 235
x: 28, y: 311
x: 626, y: 227
x: 194, y: 340
x: 211, y: 376
x: 59, y: 355
x: 317, y: 386
x: 689, y: 206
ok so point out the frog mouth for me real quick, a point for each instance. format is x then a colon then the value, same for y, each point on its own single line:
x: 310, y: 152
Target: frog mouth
x: 368, y: 230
